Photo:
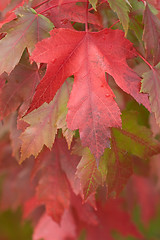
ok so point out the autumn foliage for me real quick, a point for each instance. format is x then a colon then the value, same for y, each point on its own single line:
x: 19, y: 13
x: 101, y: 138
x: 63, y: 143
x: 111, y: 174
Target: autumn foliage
x: 80, y: 119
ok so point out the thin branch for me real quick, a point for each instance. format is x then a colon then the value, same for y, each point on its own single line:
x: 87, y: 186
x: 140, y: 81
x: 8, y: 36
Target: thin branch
x: 54, y: 6
x: 40, y: 4
x: 86, y: 22
x: 114, y: 23
x: 145, y: 60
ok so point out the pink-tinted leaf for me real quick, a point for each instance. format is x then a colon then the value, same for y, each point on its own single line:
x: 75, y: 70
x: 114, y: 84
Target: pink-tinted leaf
x: 19, y: 90
x: 143, y: 192
x: 69, y: 164
x: 84, y: 211
x: 49, y: 230
x: 151, y: 35
x: 52, y: 189
x: 112, y: 216
x: 151, y: 85
x: 15, y: 179
x: 3, y: 4
x: 8, y: 8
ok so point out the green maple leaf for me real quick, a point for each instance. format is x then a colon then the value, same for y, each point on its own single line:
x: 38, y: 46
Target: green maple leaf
x: 94, y: 3
x: 121, y: 7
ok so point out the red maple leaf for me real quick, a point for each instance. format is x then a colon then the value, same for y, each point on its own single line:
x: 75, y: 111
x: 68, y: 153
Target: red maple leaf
x: 52, y: 189
x: 61, y: 13
x: 88, y: 56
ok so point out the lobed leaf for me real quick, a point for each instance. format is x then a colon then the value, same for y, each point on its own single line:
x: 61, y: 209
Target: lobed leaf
x: 19, y: 90
x: 88, y: 55
x: 116, y: 164
x: 62, y: 14
x: 151, y: 35
x: 44, y: 123
x: 25, y: 31
x: 52, y: 189
x: 89, y: 174
x: 150, y: 85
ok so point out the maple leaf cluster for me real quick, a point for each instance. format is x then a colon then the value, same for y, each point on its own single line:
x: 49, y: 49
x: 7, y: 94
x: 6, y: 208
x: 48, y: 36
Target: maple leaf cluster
x: 80, y: 119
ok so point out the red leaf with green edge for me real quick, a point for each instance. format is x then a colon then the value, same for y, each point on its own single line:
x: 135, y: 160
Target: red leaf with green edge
x: 49, y: 230
x: 19, y: 91
x: 151, y: 35
x: 151, y: 85
x: 89, y: 174
x: 52, y: 189
x: 122, y: 9
x: 25, y: 31
x: 44, y: 123
x: 87, y: 55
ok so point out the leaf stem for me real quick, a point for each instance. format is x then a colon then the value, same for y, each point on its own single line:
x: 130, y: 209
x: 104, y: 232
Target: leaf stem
x: 40, y: 4
x: 97, y: 5
x: 145, y: 60
x: 55, y: 6
x: 86, y: 22
x: 114, y: 23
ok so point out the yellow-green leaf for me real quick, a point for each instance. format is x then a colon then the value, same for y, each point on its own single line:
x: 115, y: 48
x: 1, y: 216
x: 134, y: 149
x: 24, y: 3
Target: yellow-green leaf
x: 121, y: 7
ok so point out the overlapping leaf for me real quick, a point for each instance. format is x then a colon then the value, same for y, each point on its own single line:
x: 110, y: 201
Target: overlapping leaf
x: 47, y: 228
x: 44, y: 123
x: 89, y: 174
x: 122, y: 9
x: 62, y: 14
x: 116, y: 165
x: 19, y: 90
x: 52, y: 189
x: 87, y: 56
x: 25, y: 31
x: 151, y: 85
x: 93, y: 2
x: 69, y: 164
x: 112, y: 216
x: 8, y: 8
x: 151, y: 35
x: 132, y: 139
